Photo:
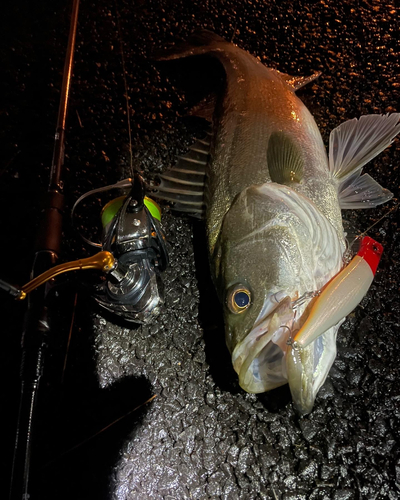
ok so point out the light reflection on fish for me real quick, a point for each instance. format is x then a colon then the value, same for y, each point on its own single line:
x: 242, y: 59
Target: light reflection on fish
x: 272, y: 203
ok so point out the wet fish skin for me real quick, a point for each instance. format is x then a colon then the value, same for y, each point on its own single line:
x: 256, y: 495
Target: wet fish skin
x: 273, y: 215
x: 257, y: 103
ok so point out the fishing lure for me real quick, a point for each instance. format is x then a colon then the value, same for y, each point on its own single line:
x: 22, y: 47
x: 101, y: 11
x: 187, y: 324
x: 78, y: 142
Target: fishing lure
x: 342, y: 294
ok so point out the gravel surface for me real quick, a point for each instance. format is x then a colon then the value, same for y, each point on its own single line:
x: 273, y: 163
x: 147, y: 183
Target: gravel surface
x: 202, y: 436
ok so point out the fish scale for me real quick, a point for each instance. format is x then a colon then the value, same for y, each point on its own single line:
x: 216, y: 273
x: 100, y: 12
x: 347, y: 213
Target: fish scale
x: 273, y: 214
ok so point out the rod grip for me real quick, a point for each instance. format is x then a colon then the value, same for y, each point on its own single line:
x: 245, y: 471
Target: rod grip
x: 50, y: 229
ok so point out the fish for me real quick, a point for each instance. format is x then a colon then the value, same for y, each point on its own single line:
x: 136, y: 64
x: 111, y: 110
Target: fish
x: 272, y: 201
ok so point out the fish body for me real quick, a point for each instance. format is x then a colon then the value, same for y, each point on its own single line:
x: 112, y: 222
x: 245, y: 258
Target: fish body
x: 273, y: 214
x: 258, y: 102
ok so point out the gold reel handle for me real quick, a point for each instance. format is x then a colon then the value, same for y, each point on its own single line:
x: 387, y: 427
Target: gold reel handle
x: 103, y: 261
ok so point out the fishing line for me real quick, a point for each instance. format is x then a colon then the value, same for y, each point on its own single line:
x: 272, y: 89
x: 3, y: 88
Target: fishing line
x: 69, y: 338
x: 274, y: 493
x: 347, y: 257
x: 93, y: 436
x: 125, y: 183
x: 125, y: 87
x: 374, y: 224
x: 131, y: 237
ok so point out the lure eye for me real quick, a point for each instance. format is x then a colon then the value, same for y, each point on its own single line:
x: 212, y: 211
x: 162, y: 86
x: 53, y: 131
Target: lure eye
x: 238, y: 299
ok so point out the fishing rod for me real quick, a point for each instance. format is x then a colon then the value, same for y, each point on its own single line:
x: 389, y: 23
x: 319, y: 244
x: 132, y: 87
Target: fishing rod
x: 37, y: 320
x: 133, y: 256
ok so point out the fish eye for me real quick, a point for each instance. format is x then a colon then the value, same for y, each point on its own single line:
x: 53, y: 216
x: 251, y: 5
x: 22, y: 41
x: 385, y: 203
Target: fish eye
x: 238, y: 299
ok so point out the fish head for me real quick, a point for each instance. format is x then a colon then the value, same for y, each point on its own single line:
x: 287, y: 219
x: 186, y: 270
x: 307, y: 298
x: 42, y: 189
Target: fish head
x: 265, y: 259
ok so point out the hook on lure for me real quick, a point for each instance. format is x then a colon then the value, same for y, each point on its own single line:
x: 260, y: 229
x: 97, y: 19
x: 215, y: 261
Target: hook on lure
x: 342, y: 294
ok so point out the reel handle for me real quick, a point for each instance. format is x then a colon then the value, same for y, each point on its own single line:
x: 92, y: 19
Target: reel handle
x: 102, y: 261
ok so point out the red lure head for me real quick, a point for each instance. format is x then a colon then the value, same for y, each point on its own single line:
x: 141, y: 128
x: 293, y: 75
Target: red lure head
x: 371, y: 251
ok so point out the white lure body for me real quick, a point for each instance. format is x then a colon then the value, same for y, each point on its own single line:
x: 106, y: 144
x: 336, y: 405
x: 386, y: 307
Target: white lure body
x: 342, y: 294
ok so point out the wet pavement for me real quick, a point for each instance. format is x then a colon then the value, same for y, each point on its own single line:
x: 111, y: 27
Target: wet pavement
x: 202, y: 436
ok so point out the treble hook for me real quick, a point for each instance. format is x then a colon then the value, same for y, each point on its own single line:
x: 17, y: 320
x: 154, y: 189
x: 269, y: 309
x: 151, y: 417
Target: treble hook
x: 306, y: 296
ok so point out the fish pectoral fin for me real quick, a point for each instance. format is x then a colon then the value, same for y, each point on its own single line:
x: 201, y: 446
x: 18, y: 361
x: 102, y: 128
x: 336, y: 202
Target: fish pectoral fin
x: 296, y: 82
x: 284, y: 159
x: 356, y: 142
x: 184, y: 183
x: 362, y: 191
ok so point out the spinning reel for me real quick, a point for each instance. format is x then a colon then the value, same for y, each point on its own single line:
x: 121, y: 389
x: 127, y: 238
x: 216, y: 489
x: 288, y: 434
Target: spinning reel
x: 133, y: 235
x: 133, y: 255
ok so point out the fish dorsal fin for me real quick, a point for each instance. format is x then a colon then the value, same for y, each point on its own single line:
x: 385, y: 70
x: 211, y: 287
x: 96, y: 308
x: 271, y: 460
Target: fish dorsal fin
x: 351, y: 146
x: 284, y: 159
x: 296, y: 82
x: 184, y: 183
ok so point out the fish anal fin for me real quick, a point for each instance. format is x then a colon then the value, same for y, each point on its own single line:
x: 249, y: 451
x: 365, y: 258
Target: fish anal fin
x: 285, y: 162
x: 362, y: 191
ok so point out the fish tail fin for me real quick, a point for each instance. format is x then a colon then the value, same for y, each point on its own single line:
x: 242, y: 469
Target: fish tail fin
x: 200, y: 42
x: 353, y: 144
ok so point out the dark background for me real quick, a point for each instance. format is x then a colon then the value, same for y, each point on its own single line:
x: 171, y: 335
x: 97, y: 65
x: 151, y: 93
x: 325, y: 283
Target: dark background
x: 201, y: 437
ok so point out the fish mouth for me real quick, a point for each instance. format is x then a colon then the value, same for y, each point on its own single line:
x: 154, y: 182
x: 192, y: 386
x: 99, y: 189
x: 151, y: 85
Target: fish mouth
x: 260, y: 359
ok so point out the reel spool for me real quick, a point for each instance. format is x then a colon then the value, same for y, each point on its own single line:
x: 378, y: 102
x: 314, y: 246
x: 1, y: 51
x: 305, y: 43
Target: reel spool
x: 133, y: 256
x: 132, y: 233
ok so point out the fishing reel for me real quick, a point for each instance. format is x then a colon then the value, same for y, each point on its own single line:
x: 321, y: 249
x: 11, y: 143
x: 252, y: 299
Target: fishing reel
x: 133, y: 256
x: 133, y: 288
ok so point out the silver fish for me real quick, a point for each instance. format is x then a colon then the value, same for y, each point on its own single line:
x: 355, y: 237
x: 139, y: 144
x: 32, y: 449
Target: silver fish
x: 273, y: 205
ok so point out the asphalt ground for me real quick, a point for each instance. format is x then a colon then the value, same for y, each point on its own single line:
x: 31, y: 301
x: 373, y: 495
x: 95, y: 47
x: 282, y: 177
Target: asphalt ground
x: 201, y: 436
